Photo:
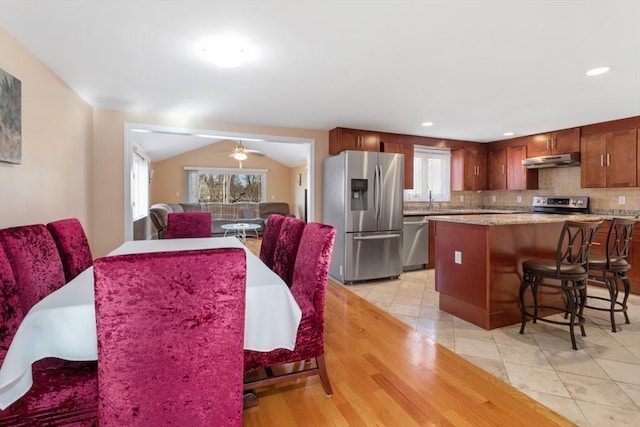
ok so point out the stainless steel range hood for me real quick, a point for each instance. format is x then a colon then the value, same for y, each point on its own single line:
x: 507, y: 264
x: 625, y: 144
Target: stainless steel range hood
x: 554, y: 161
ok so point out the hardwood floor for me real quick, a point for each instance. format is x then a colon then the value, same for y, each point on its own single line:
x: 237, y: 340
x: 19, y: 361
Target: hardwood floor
x: 384, y: 373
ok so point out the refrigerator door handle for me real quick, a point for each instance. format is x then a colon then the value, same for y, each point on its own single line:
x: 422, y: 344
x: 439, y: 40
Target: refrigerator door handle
x: 378, y: 193
x: 378, y: 237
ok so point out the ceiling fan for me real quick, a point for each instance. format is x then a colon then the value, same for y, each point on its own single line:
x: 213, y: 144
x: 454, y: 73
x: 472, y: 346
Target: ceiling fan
x: 240, y: 153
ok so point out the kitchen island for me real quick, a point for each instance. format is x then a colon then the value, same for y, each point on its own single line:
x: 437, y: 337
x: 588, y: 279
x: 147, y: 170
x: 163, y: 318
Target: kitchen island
x: 478, y: 262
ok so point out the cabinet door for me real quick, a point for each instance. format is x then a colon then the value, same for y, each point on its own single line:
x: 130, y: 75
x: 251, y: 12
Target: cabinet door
x: 609, y: 160
x: 480, y: 176
x: 565, y: 141
x: 497, y: 165
x: 341, y: 139
x: 539, y: 145
x: 621, y: 159
x: 518, y: 176
x: 407, y: 151
x: 593, y: 173
x: 468, y: 170
x: 560, y: 142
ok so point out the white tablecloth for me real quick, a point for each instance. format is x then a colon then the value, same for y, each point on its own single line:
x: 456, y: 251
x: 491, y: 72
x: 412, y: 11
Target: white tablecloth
x: 63, y: 324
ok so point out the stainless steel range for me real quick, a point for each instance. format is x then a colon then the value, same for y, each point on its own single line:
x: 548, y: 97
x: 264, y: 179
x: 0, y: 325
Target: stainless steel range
x: 563, y: 205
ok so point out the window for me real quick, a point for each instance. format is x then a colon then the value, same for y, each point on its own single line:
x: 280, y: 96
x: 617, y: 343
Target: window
x: 226, y: 185
x: 431, y: 175
x: 139, y: 186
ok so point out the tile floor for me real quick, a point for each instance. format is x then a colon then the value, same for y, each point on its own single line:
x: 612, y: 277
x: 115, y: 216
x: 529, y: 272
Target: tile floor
x: 597, y: 385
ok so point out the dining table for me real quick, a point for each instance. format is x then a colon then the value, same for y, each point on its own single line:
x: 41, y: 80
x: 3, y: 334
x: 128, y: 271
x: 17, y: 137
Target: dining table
x: 63, y: 324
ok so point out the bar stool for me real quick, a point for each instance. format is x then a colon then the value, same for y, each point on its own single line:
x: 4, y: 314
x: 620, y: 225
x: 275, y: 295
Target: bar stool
x: 611, y: 268
x: 566, y: 273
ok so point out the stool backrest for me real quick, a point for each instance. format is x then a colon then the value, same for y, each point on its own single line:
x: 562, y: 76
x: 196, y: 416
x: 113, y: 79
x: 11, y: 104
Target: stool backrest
x: 575, y: 242
x: 619, y: 239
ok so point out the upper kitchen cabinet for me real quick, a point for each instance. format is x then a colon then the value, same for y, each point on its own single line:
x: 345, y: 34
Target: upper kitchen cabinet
x: 518, y: 176
x: 468, y: 170
x: 497, y: 165
x: 560, y: 142
x: 389, y: 144
x: 609, y: 159
x: 341, y: 139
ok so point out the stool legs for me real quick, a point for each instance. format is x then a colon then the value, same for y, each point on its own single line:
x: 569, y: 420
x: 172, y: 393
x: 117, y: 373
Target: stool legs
x: 611, y: 283
x: 575, y: 295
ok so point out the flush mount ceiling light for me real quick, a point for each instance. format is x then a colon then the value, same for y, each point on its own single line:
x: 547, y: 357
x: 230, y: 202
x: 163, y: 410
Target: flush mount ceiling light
x: 597, y: 71
x: 226, y: 51
x: 508, y: 133
x: 427, y: 124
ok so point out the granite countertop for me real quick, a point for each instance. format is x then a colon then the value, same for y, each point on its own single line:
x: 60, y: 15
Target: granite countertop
x: 459, y: 211
x: 516, y: 218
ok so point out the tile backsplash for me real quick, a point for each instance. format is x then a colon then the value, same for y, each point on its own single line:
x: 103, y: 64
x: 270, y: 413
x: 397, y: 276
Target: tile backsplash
x: 551, y: 182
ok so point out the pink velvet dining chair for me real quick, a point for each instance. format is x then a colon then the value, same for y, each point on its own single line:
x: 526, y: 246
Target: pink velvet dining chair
x: 73, y: 246
x: 188, y: 224
x: 284, y: 254
x: 309, y: 289
x: 270, y: 238
x: 170, y: 338
x: 35, y: 261
x: 63, y: 392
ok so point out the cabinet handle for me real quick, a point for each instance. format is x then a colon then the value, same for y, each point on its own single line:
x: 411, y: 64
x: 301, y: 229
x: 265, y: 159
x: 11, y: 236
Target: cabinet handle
x: 502, y: 169
x: 554, y: 144
x: 548, y: 144
x: 601, y: 160
x: 608, y: 159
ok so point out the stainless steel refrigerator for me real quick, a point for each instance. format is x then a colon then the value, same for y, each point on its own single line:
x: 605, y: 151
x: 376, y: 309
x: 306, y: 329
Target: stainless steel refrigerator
x: 362, y: 199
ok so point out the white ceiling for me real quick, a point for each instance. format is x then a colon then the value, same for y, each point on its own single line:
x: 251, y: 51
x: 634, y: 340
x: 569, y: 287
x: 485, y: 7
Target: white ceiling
x: 474, y: 68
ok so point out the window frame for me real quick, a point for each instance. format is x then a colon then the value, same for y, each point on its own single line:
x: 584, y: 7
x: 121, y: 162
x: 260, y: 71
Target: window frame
x: 191, y: 172
x: 140, y: 177
x: 423, y: 190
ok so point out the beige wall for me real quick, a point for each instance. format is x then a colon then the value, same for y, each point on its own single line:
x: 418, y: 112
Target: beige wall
x: 108, y: 162
x: 168, y: 182
x: 54, y: 180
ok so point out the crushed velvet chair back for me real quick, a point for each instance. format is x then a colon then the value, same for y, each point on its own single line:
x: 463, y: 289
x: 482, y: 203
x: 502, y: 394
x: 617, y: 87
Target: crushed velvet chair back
x: 170, y: 337
x: 270, y: 238
x: 11, y: 313
x: 63, y: 392
x: 188, y: 224
x: 73, y: 246
x: 284, y: 255
x: 35, y: 261
x: 309, y: 289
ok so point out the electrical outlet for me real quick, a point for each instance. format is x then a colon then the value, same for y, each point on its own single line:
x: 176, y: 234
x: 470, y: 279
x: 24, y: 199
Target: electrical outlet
x: 519, y: 199
x: 493, y: 199
x: 457, y: 257
x: 622, y: 200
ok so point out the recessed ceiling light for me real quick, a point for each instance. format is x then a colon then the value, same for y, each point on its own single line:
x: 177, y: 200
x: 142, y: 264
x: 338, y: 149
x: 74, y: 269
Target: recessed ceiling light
x: 226, y: 51
x: 597, y: 71
x: 427, y: 124
x: 508, y: 133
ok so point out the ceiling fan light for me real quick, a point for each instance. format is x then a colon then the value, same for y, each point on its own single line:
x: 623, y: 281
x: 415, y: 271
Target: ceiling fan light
x: 240, y: 156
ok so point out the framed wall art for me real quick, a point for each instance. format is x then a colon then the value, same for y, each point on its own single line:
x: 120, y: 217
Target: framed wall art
x: 10, y: 118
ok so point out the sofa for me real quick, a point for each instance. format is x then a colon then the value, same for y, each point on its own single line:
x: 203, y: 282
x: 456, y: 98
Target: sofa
x: 221, y: 213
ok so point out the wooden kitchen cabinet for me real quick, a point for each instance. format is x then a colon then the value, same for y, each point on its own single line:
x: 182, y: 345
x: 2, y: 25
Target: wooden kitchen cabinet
x: 559, y: 142
x: 609, y: 159
x: 468, y: 170
x: 341, y: 139
x: 387, y: 146
x: 497, y: 169
x: 518, y: 176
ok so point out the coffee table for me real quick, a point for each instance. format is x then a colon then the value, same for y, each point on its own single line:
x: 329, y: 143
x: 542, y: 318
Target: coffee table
x: 240, y: 229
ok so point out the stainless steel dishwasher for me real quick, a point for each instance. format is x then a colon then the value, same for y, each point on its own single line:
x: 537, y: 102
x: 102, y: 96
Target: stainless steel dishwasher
x: 415, y: 242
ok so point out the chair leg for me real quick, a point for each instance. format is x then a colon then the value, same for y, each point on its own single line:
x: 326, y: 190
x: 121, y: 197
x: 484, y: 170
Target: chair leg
x: 523, y: 287
x: 572, y: 313
x: 324, y: 376
x: 627, y: 287
x: 612, y: 287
